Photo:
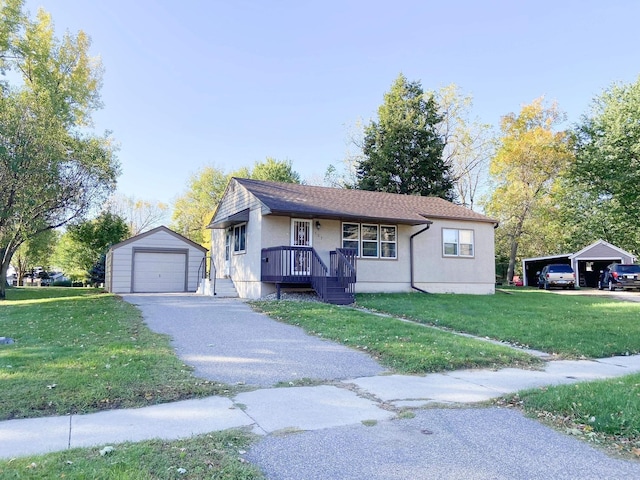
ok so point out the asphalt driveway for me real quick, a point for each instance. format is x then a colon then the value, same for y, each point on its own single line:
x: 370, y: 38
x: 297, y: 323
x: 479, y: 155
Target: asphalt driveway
x: 226, y: 341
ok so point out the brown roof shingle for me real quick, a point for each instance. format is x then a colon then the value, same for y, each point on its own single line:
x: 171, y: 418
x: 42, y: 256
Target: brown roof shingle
x: 312, y: 201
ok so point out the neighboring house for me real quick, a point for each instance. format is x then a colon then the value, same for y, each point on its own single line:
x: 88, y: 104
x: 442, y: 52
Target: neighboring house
x: 159, y: 260
x: 586, y: 263
x: 270, y: 235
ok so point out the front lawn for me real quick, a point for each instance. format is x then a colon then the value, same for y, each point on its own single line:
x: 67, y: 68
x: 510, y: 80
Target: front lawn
x: 569, y: 325
x: 604, y: 412
x: 399, y: 345
x: 216, y: 455
x: 78, y: 350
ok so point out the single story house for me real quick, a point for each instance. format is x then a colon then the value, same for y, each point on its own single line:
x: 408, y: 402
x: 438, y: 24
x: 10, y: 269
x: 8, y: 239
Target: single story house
x: 586, y: 263
x: 159, y: 260
x: 270, y: 235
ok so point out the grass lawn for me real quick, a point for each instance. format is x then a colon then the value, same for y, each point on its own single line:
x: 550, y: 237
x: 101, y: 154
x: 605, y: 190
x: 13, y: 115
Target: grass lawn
x: 603, y: 412
x: 216, y: 455
x: 399, y: 345
x: 78, y: 350
x: 569, y: 325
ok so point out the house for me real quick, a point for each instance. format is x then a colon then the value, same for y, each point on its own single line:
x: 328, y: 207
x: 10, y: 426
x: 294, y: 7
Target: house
x: 269, y: 235
x: 586, y: 263
x: 159, y: 260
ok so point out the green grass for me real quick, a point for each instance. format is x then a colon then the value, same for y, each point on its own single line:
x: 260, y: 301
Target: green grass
x: 217, y: 455
x: 603, y: 411
x: 568, y: 325
x: 399, y: 345
x: 78, y: 350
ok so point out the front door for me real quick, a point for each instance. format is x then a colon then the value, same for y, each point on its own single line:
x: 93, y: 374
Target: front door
x: 227, y: 253
x: 301, y: 237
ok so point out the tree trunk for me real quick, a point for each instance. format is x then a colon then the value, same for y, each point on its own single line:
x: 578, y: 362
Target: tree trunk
x: 512, y: 260
x: 4, y: 268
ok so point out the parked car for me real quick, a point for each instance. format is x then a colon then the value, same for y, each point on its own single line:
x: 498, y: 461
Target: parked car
x: 556, y: 275
x: 620, y: 275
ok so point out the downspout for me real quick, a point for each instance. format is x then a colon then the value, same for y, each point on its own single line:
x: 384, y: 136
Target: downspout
x: 411, y: 256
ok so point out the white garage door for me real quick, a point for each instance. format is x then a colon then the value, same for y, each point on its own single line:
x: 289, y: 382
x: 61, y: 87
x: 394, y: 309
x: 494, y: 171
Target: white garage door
x: 159, y: 272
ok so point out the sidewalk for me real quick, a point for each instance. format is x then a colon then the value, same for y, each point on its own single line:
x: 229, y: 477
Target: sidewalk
x: 270, y: 410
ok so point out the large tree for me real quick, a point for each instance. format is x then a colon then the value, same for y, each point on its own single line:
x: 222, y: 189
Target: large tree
x: 140, y: 215
x: 402, y: 150
x: 530, y: 158
x: 53, y: 170
x: 83, y: 244
x: 603, y: 199
x: 469, y: 144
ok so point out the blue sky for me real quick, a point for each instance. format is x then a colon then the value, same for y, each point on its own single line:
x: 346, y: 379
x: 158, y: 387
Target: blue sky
x: 228, y: 83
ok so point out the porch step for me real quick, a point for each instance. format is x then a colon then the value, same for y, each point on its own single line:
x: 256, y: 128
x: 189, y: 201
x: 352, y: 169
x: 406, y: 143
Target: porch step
x: 224, y: 288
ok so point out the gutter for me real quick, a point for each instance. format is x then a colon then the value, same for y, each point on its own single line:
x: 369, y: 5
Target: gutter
x: 411, y: 256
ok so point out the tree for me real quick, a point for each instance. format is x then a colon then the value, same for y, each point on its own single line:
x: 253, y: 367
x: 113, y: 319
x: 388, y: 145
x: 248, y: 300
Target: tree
x: 275, y: 170
x: 603, y: 199
x: 403, y: 149
x: 530, y: 158
x: 83, y: 244
x: 192, y: 211
x: 35, y: 252
x: 140, y: 215
x: 52, y: 169
x: 469, y: 144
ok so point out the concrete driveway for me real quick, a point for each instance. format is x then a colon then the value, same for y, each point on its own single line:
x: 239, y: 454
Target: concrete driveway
x: 226, y: 341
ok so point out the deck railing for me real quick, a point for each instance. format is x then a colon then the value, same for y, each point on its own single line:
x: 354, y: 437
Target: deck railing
x: 343, y: 267
x: 302, y: 265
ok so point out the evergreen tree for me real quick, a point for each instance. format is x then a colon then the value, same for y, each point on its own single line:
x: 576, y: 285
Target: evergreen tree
x: 403, y: 150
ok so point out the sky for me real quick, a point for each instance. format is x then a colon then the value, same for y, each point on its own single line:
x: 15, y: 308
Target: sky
x: 192, y: 83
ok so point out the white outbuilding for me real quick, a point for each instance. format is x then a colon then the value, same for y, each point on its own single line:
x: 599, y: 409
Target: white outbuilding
x: 157, y: 261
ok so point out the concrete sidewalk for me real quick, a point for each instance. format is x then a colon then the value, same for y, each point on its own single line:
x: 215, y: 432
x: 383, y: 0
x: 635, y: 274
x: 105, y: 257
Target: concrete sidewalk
x: 265, y: 411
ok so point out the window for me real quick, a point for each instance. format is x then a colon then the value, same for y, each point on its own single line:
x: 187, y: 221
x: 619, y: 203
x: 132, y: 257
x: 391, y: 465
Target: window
x: 388, y: 241
x: 351, y: 236
x: 240, y: 238
x: 457, y: 243
x: 370, y: 241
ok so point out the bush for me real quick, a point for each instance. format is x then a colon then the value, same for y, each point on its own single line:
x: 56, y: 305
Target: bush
x: 62, y: 283
x: 77, y: 284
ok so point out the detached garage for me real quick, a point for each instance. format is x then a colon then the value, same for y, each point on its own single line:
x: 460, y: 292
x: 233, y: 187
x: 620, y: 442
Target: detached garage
x: 157, y: 261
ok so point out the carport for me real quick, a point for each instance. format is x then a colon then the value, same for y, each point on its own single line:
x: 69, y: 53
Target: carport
x: 587, y: 263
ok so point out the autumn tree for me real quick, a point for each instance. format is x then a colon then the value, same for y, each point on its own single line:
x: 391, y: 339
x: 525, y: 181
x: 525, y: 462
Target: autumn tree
x: 530, y: 158
x: 603, y: 188
x: 402, y: 150
x: 469, y: 144
x: 53, y: 170
x: 140, y: 215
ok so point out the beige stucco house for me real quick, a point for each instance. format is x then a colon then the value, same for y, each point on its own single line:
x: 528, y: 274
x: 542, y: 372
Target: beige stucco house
x: 269, y: 235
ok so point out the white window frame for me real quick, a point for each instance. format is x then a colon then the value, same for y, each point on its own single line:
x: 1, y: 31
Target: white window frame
x: 364, y: 241
x: 458, y: 244
x: 356, y: 240
x: 389, y: 242
x: 360, y: 240
x: 236, y: 238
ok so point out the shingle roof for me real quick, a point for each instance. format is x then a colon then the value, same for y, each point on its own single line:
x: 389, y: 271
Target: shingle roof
x: 311, y: 201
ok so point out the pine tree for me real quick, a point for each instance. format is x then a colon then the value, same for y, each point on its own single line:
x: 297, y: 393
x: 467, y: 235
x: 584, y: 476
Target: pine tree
x: 403, y: 150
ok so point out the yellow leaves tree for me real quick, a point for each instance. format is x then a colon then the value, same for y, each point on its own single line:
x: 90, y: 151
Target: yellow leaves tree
x: 530, y: 158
